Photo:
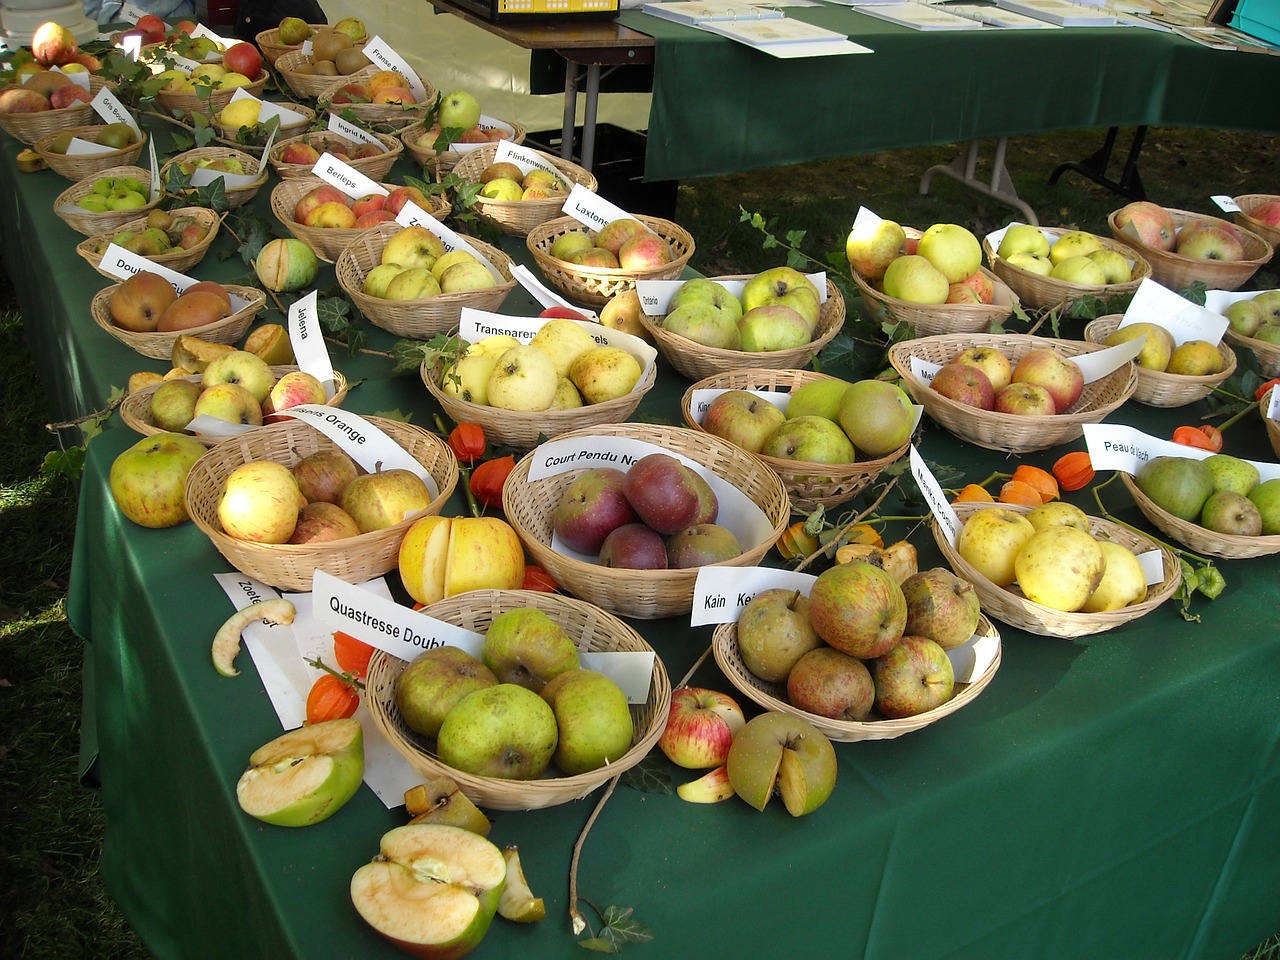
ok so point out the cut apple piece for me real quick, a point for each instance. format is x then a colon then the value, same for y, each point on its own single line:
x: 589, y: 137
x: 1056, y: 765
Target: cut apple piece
x: 440, y: 800
x: 226, y: 642
x: 517, y: 901
x: 432, y: 890
x: 304, y: 776
x: 786, y: 752
x: 709, y: 788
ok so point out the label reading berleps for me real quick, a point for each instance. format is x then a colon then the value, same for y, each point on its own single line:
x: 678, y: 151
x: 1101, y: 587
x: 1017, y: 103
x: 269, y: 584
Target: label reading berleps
x: 413, y: 215
x: 381, y: 54
x: 346, y: 178
x: 308, y: 342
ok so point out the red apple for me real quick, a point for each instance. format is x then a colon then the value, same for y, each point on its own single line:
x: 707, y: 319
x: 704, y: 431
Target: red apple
x: 320, y: 195
x: 557, y: 312
x: 980, y: 284
x: 368, y: 204
x: 990, y: 361
x: 243, y: 58
x: 373, y: 218
x: 300, y: 153
x: 1149, y: 222
x: 961, y: 293
x: 72, y: 93
x: 1060, y: 376
x: 700, y: 727
x: 965, y: 384
x: 1268, y: 213
x: 150, y: 23
x: 1026, y: 400
x: 400, y: 196
x: 1209, y: 240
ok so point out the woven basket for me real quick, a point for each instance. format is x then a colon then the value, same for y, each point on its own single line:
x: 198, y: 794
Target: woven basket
x: 1244, y: 216
x: 90, y: 223
x: 593, y: 631
x: 159, y: 346
x: 272, y: 49
x: 1008, y: 605
x: 417, y: 319
x: 81, y: 166
x: 930, y: 319
x: 327, y: 242
x: 1267, y: 354
x: 1007, y: 431
x: 1156, y: 388
x: 1038, y: 292
x: 375, y: 168
x: 516, y: 218
x: 236, y: 196
x: 439, y: 164
x: 515, y: 428
x: 30, y: 127
x: 176, y: 258
x: 1197, y: 538
x: 293, y: 566
x: 643, y: 594
x: 185, y: 104
x: 598, y: 285
x: 1273, y: 427
x: 135, y: 409
x: 379, y: 113
x: 696, y: 361
x: 227, y: 135
x: 306, y: 85
x: 773, y: 696
x: 809, y: 485
x: 1177, y: 272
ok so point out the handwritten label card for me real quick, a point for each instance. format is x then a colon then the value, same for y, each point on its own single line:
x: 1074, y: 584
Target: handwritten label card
x: 933, y: 494
x: 1153, y: 303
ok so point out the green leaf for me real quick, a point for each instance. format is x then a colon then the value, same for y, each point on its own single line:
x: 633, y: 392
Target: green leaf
x: 66, y: 463
x: 396, y: 414
x: 253, y: 229
x: 650, y: 775
x: 621, y: 926
x: 599, y: 945
x: 410, y: 355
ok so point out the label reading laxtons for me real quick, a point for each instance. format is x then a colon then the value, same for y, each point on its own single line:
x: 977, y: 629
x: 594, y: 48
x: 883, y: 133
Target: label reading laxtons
x: 362, y: 440
x: 592, y: 209
x: 308, y: 344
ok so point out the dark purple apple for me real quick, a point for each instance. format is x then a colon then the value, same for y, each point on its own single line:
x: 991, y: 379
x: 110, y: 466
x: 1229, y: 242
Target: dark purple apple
x: 965, y: 384
x: 663, y: 493
x: 708, y: 502
x: 323, y: 475
x: 591, y: 507
x: 701, y: 544
x: 633, y: 546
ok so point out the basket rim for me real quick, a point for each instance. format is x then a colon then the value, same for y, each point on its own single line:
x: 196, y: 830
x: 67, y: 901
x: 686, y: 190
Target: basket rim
x: 1225, y: 546
x: 1069, y: 289
x: 969, y: 310
x: 1110, y: 322
x: 1169, y: 256
x: 669, y: 229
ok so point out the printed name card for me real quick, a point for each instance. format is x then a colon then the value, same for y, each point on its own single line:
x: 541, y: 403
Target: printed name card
x: 308, y: 342
x: 544, y: 295
x: 130, y: 13
x: 1226, y: 203
x: 476, y: 324
x: 354, y: 132
x: 591, y: 209
x: 273, y: 648
x: 1184, y: 320
x: 383, y: 56
x: 1119, y: 447
x: 934, y: 496
x: 413, y: 215
x: 362, y: 440
x: 346, y: 177
x: 720, y: 594
x: 524, y: 158
x: 122, y: 263
x: 700, y: 400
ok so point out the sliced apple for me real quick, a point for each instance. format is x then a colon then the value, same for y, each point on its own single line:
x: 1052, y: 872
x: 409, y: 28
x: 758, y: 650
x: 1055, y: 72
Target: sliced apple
x: 432, y: 890
x: 783, y: 752
x: 709, y: 788
x: 440, y: 800
x: 226, y: 642
x: 304, y: 776
x: 517, y: 901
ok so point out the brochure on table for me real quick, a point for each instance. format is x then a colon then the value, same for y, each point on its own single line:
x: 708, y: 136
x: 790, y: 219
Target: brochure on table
x: 1061, y: 12
x: 786, y: 38
x: 703, y: 11
x: 918, y: 16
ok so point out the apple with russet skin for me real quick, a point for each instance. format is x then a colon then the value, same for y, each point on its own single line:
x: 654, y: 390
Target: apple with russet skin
x: 772, y: 327
x: 173, y: 404
x: 914, y: 677
x: 1150, y: 223
x: 603, y: 373
x: 701, y: 544
x: 914, y: 279
x: 324, y: 474
x: 242, y: 367
x: 786, y: 753
x: 644, y: 251
x: 831, y: 684
x: 700, y: 727
x: 434, y: 682
x: 617, y: 232
x: 858, y: 608
x: 1232, y: 513
x: 444, y: 556
x: 774, y: 631
x: 293, y: 389
x: 872, y: 247
x: 952, y: 249
x: 525, y: 646
x: 876, y: 416
x: 633, y: 546
x: 1232, y: 473
x: 432, y: 890
x: 941, y: 606
x: 320, y: 195
x: 260, y: 502
x: 505, y: 731
x: 990, y: 361
x: 591, y: 506
x: 322, y: 522
x: 229, y: 402
x: 384, y: 498
x: 137, y: 303
x: 1059, y: 375
x: 304, y: 776
x: 1025, y: 400
x: 148, y: 480
x: 964, y: 383
x: 743, y: 418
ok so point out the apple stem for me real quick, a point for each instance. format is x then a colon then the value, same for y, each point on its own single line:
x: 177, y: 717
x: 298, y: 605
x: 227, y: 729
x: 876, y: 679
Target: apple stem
x: 348, y: 678
x: 841, y: 531
x: 579, y: 921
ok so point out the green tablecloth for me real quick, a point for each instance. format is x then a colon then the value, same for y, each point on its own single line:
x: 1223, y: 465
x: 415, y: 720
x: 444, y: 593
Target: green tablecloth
x: 1115, y: 796
x: 720, y: 106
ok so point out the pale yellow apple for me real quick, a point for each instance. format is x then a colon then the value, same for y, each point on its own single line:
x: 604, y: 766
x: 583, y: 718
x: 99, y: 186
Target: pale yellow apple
x: 444, y: 556
x: 1123, y: 582
x: 604, y: 373
x: 449, y: 259
x: 523, y: 379
x: 1060, y: 567
x: 376, y: 281
x: 1077, y: 243
x: 563, y: 340
x: 990, y: 540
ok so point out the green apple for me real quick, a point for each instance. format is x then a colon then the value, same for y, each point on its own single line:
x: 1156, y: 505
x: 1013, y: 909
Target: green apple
x: 872, y: 247
x: 1266, y: 497
x: 818, y: 398
x: 1232, y: 473
x: 304, y: 776
x: 1231, y: 513
x: 707, y: 324
x: 459, y: 110
x: 432, y: 890
x: 1114, y: 264
x: 810, y: 439
x: 524, y: 646
x: 148, y: 480
x: 240, y: 366
x: 461, y: 277
x: 93, y: 202
x: 230, y: 402
x: 415, y: 283
x: 786, y: 753
x: 1081, y: 270
x: 877, y: 416
x: 524, y: 379
x: 563, y: 246
x: 593, y: 719
x: 173, y: 404
x: 1041, y: 266
x: 505, y: 731
x: 1023, y: 238
x: 916, y: 280
x: 379, y: 278
x: 783, y: 286
x: 702, y: 290
x: 772, y: 326
x: 952, y: 249
x: 434, y: 682
x: 116, y: 135
x: 1244, y: 316
x: 1077, y: 243
x: 125, y: 200
x: 1177, y: 485
x: 284, y: 265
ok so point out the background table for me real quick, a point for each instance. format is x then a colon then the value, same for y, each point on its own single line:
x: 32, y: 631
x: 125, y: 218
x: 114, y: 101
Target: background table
x: 1115, y: 796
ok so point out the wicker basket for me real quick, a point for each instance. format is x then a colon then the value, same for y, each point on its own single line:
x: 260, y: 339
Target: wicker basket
x: 379, y: 113
x: 293, y: 566
x: 773, y: 696
x: 1039, y: 292
x: 1197, y: 538
x: 236, y: 196
x: 809, y: 485
x: 417, y: 319
x: 1177, y: 272
x: 598, y: 285
x: 1008, y: 605
x: 177, y: 258
x: 1244, y: 216
x: 185, y: 104
x: 439, y: 164
x: 375, y: 168
x: 306, y: 85
x: 1267, y: 354
x: 516, y: 218
x: 135, y: 409
x: 159, y: 346
x: 82, y: 166
x: 1273, y: 427
x: 696, y: 361
x: 90, y: 223
x: 1156, y: 388
x: 227, y: 135
x: 268, y: 42
x: 930, y: 319
x: 1007, y: 431
x: 593, y: 630
x: 30, y: 127
x: 643, y: 594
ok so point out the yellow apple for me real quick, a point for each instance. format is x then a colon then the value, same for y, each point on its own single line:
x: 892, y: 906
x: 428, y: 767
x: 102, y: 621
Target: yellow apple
x: 1060, y: 567
x: 444, y: 556
x: 990, y: 540
x: 1123, y: 582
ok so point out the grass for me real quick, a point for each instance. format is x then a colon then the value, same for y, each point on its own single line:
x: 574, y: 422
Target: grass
x: 53, y: 905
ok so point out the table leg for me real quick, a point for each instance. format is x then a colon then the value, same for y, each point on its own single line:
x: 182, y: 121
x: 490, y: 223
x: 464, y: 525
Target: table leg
x: 962, y: 169
x: 589, y: 116
x: 1095, y: 165
x: 570, y: 110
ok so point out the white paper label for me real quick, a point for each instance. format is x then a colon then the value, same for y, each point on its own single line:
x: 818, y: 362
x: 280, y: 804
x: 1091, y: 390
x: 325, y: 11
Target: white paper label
x: 363, y: 441
x: 699, y: 400
x: 383, y: 56
x: 525, y: 158
x: 86, y: 148
x: 308, y: 342
x: 592, y: 209
x: 129, y: 13
x: 108, y: 106
x: 203, y: 176
x: 122, y: 263
x: 1118, y: 447
x: 933, y: 494
x: 720, y: 594
x: 543, y: 294
x: 346, y: 177
x: 474, y: 325
x: 267, y: 109
x: 1153, y: 303
x: 414, y: 216
x: 349, y: 130
x: 1226, y: 203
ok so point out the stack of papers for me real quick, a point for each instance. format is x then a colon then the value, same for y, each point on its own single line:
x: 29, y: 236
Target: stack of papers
x: 785, y: 38
x: 1061, y: 12
x: 707, y: 11
x: 917, y: 16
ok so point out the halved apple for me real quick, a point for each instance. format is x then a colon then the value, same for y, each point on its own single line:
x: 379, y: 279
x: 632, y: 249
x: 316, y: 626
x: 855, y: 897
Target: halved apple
x: 304, y: 776
x: 444, y: 556
x: 783, y: 751
x: 432, y: 890
x: 440, y: 800
x: 517, y: 901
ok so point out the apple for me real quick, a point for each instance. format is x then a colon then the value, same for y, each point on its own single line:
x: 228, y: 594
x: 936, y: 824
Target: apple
x: 1059, y: 375
x: 525, y: 646
x: 305, y: 775
x: 662, y: 492
x: 444, y: 556
x: 591, y: 506
x: 783, y: 286
x: 137, y: 303
x: 644, y: 251
x: 593, y: 720
x: 916, y: 280
x: 324, y: 474
x: 1266, y: 497
x: 617, y: 232
x: 432, y: 890
x: 173, y: 404
x: 1232, y: 473
x: 603, y: 373
x: 1245, y: 317
x: 1025, y: 400
x: 1074, y: 243
x: 831, y: 684
x: 18, y: 100
x: 72, y: 93
x: 384, y: 498
x: 434, y: 682
x: 595, y: 257
x: 523, y: 379
x: 1208, y: 240
x: 1023, y: 238
x: 148, y: 480
x: 229, y: 402
x: 711, y: 787
x: 303, y: 154
x: 240, y: 367
x: 990, y: 361
x: 703, y: 290
x: 701, y: 544
x: 952, y: 249
x: 877, y: 416
x: 564, y: 246
x: 701, y: 725
x: 440, y: 800
x: 809, y: 439
x: 979, y: 284
x: 1115, y: 265
x: 294, y: 388
x: 444, y: 262
x: 1059, y: 567
x: 414, y: 283
x: 322, y: 522
x: 53, y: 44
x: 774, y: 631
x: 913, y: 678
x: 990, y: 540
x: 1080, y: 270
x: 965, y: 383
x: 505, y: 731
x: 332, y: 215
x: 817, y: 398
x: 503, y: 170
x: 398, y: 198
x: 772, y: 327
x: 633, y: 546
x: 1177, y: 485
x: 706, y: 323
x: 871, y: 248
x: 858, y: 608
x: 779, y: 751
x: 557, y: 312
x: 1231, y: 513
x: 260, y: 502
x: 1148, y: 223
x: 1155, y: 351
x: 1040, y: 266
x: 1195, y: 358
x: 290, y: 264
x: 941, y: 606
x: 461, y: 277
x: 193, y: 309
x: 743, y: 418
x: 459, y: 110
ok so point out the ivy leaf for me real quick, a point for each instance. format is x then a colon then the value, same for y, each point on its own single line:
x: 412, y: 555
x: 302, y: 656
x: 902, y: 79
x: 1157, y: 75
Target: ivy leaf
x: 66, y: 463
x: 334, y: 313
x: 410, y: 355
x: 396, y: 414
x: 254, y: 231
x: 1195, y: 292
x: 181, y: 141
x: 621, y: 926
x: 649, y: 776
